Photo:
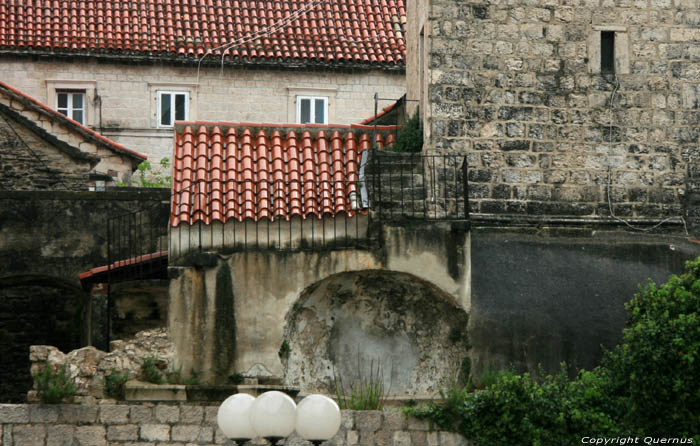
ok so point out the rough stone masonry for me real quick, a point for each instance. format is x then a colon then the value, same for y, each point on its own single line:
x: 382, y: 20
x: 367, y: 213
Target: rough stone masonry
x: 521, y: 87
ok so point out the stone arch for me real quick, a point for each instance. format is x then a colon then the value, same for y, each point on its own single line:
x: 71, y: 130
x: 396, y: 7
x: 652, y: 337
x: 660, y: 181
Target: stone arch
x: 351, y: 321
x: 35, y: 309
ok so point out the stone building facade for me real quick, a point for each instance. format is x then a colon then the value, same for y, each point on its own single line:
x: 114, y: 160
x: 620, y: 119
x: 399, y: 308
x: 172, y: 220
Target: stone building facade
x: 122, y: 98
x: 586, y: 109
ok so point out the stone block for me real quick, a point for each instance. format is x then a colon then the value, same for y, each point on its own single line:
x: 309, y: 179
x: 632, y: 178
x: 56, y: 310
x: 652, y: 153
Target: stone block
x: 27, y: 434
x: 191, y: 414
x: 347, y: 419
x: 167, y: 414
x: 123, y: 432
x: 402, y: 438
x: 192, y: 433
x: 210, y: 413
x: 414, y: 424
x: 141, y: 414
x: 352, y: 438
x: 14, y: 413
x: 91, y: 435
x: 77, y: 414
x: 394, y: 420
x: 114, y: 414
x: 59, y: 435
x: 155, y: 432
x: 368, y: 420
x: 419, y: 438
x: 43, y: 413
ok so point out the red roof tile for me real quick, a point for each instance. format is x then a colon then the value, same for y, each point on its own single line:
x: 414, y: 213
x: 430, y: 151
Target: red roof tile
x: 134, y: 261
x: 226, y: 171
x: 327, y: 31
x: 74, y: 125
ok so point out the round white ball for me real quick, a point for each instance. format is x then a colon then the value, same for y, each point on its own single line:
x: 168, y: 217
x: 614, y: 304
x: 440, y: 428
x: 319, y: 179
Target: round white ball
x: 233, y: 416
x: 318, y: 418
x: 273, y: 414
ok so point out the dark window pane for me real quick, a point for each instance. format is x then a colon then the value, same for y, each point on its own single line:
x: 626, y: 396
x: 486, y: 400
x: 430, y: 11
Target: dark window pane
x: 305, y: 111
x: 78, y: 115
x: 62, y: 100
x: 63, y: 111
x: 320, y: 111
x: 180, y: 105
x: 607, y: 52
x: 165, y: 109
x: 77, y: 100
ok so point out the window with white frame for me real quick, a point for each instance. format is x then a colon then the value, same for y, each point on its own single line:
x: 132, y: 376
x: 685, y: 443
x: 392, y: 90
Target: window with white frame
x: 312, y: 110
x: 172, y: 106
x: 72, y: 104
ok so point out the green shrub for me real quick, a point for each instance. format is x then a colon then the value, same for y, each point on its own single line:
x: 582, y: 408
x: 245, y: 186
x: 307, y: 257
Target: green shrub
x: 114, y: 383
x: 410, y: 137
x: 193, y: 380
x: 54, y: 387
x: 236, y: 379
x: 151, y: 372
x: 649, y: 386
x: 656, y: 369
x: 148, y: 177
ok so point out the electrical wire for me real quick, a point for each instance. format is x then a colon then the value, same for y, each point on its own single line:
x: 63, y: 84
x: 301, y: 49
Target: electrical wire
x: 610, y: 206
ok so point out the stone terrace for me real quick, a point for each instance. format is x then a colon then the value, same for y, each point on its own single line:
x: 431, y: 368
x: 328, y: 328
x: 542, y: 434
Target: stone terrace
x: 166, y: 424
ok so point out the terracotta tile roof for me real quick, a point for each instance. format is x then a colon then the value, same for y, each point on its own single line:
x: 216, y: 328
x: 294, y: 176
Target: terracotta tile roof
x: 327, y: 31
x: 381, y: 113
x: 52, y: 114
x: 228, y: 171
x: 100, y: 273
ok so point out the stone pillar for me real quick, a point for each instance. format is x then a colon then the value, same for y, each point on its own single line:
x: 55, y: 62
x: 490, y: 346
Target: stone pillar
x: 97, y: 316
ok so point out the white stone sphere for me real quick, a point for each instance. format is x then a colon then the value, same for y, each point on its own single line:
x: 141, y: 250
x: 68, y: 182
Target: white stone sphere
x: 318, y: 418
x: 233, y: 417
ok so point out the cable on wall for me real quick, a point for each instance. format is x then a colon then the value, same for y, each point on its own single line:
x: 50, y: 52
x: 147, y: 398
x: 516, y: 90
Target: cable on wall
x: 609, y: 185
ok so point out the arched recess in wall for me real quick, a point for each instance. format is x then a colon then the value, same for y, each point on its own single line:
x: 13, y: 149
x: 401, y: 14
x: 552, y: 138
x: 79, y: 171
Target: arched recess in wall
x: 35, y: 310
x: 353, y: 321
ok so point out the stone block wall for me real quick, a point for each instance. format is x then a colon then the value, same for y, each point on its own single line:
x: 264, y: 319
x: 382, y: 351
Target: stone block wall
x: 28, y: 162
x: 167, y: 424
x: 517, y: 86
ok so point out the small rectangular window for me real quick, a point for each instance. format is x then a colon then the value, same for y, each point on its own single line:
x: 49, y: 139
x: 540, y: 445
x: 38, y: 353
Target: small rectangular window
x: 607, y: 52
x: 312, y: 110
x: 172, y: 106
x: 71, y: 104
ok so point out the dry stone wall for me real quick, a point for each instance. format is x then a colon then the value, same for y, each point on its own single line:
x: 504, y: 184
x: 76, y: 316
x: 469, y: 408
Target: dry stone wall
x: 517, y: 86
x: 168, y: 424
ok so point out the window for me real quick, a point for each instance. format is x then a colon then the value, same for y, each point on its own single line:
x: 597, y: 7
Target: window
x: 312, y: 110
x: 71, y: 104
x: 607, y: 52
x: 172, y: 106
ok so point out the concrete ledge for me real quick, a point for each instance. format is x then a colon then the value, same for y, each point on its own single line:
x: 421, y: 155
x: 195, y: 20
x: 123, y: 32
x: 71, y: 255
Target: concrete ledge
x: 139, y: 391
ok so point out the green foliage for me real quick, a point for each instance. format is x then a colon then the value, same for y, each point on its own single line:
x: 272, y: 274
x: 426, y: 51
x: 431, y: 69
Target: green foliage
x: 54, y: 387
x: 284, y: 350
x: 175, y: 376
x: 366, y: 393
x: 193, y: 380
x: 146, y: 176
x: 150, y: 371
x: 236, y: 379
x: 410, y: 137
x: 648, y: 386
x: 114, y: 383
x: 657, y: 367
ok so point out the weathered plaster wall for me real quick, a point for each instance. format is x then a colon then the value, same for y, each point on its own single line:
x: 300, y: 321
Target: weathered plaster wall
x: 381, y: 325
x: 46, y: 239
x: 515, y: 85
x: 126, y: 110
x: 542, y: 296
x: 205, y: 313
x: 159, y: 424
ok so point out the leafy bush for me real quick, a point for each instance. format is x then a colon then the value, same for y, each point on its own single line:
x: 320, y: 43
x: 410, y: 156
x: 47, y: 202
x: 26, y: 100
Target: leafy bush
x: 175, y: 377
x: 648, y: 386
x: 410, y: 137
x: 114, y: 383
x: 148, y: 177
x: 151, y: 372
x: 657, y: 367
x: 54, y: 387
